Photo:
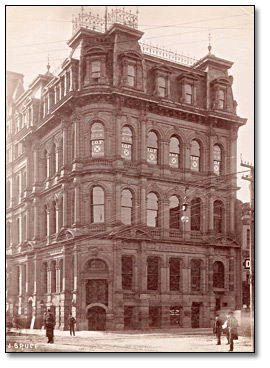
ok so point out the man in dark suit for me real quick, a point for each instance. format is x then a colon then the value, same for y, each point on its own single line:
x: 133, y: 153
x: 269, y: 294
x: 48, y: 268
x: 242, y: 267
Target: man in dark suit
x: 218, y: 329
x: 49, y: 324
x: 233, y: 329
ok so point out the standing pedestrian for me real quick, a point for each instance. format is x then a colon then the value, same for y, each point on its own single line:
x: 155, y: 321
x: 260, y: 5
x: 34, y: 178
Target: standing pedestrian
x: 49, y: 324
x: 226, y: 329
x: 218, y: 329
x: 233, y: 329
x: 71, y: 323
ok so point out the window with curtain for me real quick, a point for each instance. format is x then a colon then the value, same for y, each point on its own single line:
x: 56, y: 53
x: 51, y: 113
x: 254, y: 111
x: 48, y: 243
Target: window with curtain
x: 217, y: 159
x: 195, y: 156
x: 97, y: 205
x: 174, y: 213
x: 152, y: 148
x: 152, y: 210
x: 152, y: 273
x: 97, y: 140
x: 195, y: 213
x: 174, y: 152
x: 126, y: 207
x: 126, y: 143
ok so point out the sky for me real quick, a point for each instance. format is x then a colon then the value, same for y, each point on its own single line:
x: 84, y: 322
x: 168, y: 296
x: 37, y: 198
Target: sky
x: 35, y: 34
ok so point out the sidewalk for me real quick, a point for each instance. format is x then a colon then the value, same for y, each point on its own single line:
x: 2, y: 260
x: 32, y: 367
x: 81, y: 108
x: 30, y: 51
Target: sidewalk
x: 180, y: 331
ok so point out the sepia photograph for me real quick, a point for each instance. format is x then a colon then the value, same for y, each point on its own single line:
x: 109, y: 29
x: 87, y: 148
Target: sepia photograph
x: 130, y: 179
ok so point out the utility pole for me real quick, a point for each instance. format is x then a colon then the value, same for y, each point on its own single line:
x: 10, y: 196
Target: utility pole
x: 250, y: 178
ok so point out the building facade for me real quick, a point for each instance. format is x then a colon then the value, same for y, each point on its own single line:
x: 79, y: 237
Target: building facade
x: 121, y: 188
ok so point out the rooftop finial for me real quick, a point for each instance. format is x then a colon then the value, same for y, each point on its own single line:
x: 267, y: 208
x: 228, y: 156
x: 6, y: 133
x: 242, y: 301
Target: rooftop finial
x: 48, y: 65
x: 209, y: 45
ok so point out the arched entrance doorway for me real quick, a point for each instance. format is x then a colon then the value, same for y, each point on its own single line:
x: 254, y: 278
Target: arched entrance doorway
x: 96, y: 319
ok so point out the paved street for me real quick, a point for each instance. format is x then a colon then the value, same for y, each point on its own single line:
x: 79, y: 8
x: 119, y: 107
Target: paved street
x: 87, y: 341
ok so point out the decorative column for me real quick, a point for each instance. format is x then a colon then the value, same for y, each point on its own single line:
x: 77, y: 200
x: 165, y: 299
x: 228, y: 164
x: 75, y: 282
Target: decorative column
x: 49, y: 278
x: 143, y: 216
x: 57, y: 217
x: 75, y: 280
x: 187, y: 148
x: 65, y: 147
x: 166, y: 217
x: 211, y: 214
x: 57, y: 271
x: 118, y: 136
x: 36, y: 163
x: 143, y: 140
x: 48, y: 224
x: 118, y: 202
x: 87, y: 71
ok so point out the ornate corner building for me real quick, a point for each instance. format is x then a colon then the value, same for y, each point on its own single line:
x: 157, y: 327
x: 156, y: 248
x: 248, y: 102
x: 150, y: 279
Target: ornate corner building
x: 100, y: 160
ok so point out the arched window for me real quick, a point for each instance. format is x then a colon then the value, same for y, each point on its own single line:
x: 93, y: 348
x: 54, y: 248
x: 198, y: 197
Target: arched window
x: 152, y: 210
x: 218, y: 216
x: 126, y: 207
x: 218, y: 275
x: 126, y: 139
x: 174, y: 274
x: 217, y: 159
x: 8, y: 230
x: 221, y: 99
x: 152, y: 273
x: 174, y: 213
x: 174, y: 152
x: 97, y: 140
x: 195, y: 156
x: 152, y: 148
x: 161, y: 86
x: 195, y: 213
x: 195, y: 275
x: 97, y: 205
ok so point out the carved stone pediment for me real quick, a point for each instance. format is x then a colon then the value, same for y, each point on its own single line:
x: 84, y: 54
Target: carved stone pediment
x: 224, y: 241
x: 65, y: 234
x: 130, y: 232
x: 27, y: 246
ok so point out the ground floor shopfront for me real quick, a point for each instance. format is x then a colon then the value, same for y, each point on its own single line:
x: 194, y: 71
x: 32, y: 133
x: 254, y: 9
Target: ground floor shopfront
x: 118, y: 284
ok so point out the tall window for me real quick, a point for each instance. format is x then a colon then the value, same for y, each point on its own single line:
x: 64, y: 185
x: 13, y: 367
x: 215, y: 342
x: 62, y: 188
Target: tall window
x: 126, y: 207
x: 126, y: 139
x: 8, y: 193
x: 53, y: 276
x: 195, y: 223
x: 95, y: 72
x: 45, y: 164
x: 152, y: 210
x: 8, y: 231
x: 97, y: 140
x: 174, y: 274
x: 221, y: 99
x: 53, y: 220
x: 217, y: 159
x: 195, y: 275
x: 195, y: 156
x: 45, y: 220
x: 248, y: 238
x: 174, y: 213
x: 152, y: 148
x: 174, y: 152
x: 161, y: 86
x: 44, y: 277
x: 53, y: 159
x: 188, y: 93
x: 218, y: 275
x: 97, y: 205
x: 152, y: 273
x: 127, y: 272
x: 131, y: 75
x: 218, y: 216
x: 73, y: 146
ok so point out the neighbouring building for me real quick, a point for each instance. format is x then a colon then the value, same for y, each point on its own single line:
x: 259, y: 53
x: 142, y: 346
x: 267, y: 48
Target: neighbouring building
x: 121, y: 186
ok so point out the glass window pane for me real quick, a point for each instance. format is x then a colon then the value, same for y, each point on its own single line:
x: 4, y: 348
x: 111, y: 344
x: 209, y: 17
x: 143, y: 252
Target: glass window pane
x: 152, y: 146
x: 97, y: 131
x: 98, y: 213
x: 174, y: 145
x: 127, y: 135
x: 195, y: 148
x: 131, y: 70
x: 98, y: 196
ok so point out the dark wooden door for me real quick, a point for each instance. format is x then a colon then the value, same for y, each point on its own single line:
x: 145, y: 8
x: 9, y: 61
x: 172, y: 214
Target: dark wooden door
x: 96, y: 319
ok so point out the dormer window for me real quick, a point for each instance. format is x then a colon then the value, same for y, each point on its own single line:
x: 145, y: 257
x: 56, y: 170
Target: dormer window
x: 188, y: 87
x: 162, y: 82
x: 96, y: 71
x: 221, y: 99
x: 161, y: 86
x: 188, y: 93
x: 131, y: 75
